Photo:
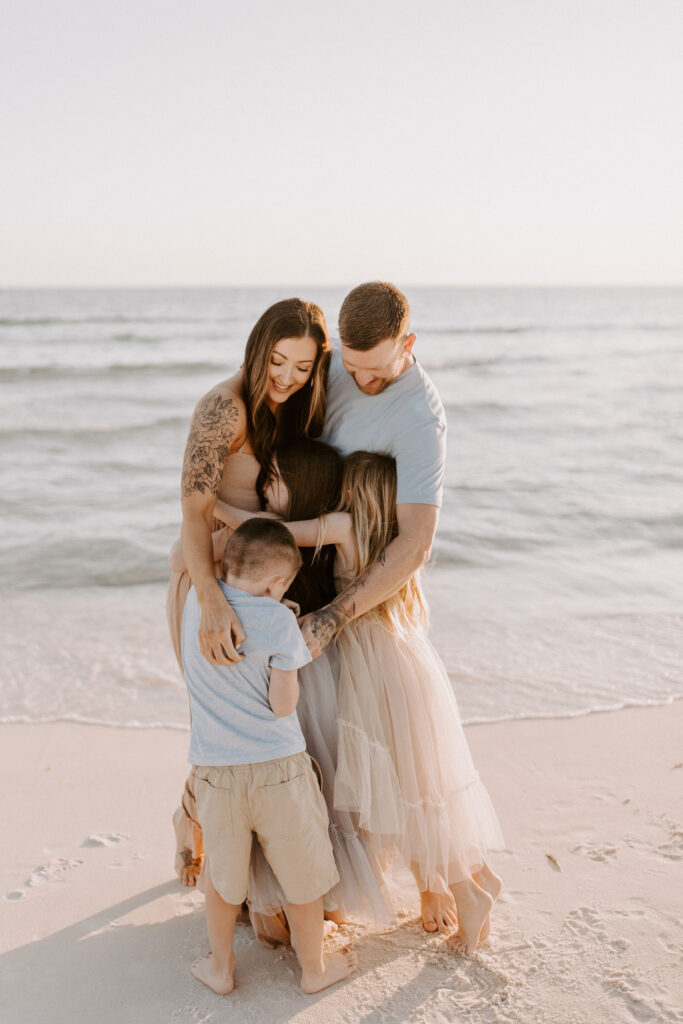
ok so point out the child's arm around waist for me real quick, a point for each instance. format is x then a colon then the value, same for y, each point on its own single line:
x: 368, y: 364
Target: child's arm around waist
x: 283, y: 692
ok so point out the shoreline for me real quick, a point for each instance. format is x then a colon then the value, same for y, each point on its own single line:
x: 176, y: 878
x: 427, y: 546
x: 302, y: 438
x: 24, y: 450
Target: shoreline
x: 467, y: 723
x: 96, y: 927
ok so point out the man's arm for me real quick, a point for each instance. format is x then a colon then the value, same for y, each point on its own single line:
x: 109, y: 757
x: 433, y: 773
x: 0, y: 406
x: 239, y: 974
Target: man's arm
x: 402, y: 558
x: 215, y: 424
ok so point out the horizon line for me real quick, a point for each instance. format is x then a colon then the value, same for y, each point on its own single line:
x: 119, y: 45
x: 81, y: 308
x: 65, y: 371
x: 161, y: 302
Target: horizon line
x: 336, y: 284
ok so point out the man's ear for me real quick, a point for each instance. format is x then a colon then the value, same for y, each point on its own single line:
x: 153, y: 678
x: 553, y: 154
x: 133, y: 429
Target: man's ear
x: 408, y: 344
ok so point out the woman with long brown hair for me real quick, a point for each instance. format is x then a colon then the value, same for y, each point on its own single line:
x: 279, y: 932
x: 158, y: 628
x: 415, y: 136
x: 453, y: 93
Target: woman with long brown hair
x: 278, y: 394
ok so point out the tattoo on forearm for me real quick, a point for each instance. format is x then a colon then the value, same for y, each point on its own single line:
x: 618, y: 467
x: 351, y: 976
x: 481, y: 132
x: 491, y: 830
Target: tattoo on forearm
x: 343, y: 608
x: 323, y: 627
x: 212, y: 431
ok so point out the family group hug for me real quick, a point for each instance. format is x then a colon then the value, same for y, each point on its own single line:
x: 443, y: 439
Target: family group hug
x: 326, y: 744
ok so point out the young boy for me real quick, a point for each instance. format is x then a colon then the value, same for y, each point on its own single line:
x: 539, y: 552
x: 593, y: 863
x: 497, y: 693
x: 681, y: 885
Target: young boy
x: 251, y: 770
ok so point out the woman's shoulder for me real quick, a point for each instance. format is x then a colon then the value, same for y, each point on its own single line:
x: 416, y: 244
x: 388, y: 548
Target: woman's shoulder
x: 223, y: 405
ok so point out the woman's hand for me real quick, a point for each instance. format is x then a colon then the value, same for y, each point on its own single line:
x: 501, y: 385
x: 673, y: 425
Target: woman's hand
x: 291, y: 605
x: 220, y: 631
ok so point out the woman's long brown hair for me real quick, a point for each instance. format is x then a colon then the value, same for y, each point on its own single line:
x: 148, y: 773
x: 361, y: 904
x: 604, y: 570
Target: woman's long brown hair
x: 312, y: 473
x: 302, y: 415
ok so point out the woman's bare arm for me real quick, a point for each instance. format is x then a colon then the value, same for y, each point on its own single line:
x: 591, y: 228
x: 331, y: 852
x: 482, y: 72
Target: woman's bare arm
x: 305, y: 531
x: 217, y: 422
x: 219, y: 538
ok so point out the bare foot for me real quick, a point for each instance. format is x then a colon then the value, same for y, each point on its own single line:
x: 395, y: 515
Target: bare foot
x: 474, y: 906
x: 336, y: 967
x: 336, y: 916
x: 221, y: 981
x: 438, y: 911
x: 270, y: 930
x: 489, y: 881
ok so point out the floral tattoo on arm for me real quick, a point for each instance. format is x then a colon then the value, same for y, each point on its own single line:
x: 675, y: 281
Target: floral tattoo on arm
x: 212, y: 431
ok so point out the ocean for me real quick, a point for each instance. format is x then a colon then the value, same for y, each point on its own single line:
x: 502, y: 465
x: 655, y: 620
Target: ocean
x: 557, y: 579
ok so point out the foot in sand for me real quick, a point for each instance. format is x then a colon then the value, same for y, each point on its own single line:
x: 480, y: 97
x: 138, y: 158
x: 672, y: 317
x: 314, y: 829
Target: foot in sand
x: 489, y: 881
x: 474, y: 906
x: 336, y: 967
x: 271, y: 930
x: 438, y: 911
x: 205, y: 970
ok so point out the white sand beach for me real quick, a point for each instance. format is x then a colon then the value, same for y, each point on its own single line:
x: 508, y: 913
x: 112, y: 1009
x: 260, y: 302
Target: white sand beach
x: 96, y: 928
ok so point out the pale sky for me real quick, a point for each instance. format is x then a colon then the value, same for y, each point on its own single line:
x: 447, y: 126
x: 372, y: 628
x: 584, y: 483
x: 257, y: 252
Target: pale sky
x: 308, y: 142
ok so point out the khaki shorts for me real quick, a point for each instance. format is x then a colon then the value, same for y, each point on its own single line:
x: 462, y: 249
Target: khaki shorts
x: 281, y: 802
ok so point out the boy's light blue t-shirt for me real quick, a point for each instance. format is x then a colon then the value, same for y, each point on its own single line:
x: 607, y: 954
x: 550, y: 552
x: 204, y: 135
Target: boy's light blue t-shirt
x: 406, y: 420
x: 232, y: 721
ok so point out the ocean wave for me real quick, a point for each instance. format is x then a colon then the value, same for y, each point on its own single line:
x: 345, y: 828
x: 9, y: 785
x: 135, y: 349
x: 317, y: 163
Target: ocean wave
x: 101, y: 431
x: 82, y: 562
x: 66, y: 371
x: 47, y: 321
x: 549, y: 328
x: 607, y: 707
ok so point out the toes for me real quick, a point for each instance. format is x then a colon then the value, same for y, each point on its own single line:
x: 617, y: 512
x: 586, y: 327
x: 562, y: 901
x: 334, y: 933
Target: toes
x: 430, y: 925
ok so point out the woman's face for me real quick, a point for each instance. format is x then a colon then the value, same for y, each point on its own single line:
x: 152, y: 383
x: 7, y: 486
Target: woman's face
x: 275, y: 494
x: 291, y: 365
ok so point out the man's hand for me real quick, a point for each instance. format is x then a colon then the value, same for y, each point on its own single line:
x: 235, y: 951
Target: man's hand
x: 220, y: 632
x: 318, y: 629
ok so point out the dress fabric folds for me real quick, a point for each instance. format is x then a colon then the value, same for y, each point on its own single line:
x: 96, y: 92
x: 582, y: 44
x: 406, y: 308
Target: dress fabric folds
x: 404, y: 767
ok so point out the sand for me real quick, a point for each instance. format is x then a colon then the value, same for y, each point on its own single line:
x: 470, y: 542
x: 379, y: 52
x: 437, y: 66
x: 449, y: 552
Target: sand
x: 95, y: 927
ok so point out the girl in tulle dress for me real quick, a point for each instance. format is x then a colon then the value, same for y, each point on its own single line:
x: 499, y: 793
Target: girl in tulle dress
x: 403, y: 764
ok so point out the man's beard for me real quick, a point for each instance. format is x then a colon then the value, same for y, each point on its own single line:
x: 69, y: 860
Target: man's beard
x: 375, y: 388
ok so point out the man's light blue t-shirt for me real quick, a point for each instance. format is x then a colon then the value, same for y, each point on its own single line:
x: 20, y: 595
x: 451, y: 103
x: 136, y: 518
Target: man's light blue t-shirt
x: 406, y: 420
x: 232, y: 721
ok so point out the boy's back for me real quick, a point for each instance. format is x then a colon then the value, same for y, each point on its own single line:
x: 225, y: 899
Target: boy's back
x: 232, y: 720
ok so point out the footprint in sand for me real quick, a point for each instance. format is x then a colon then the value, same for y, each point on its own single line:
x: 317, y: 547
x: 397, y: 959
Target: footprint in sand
x: 106, y: 839
x: 54, y: 871
x: 599, y: 853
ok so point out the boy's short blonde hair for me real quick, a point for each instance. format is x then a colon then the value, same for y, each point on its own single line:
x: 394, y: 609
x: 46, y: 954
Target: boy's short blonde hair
x: 261, y: 547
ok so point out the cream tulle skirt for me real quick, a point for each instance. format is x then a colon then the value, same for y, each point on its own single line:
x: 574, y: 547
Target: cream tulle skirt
x: 403, y: 766
x: 361, y: 891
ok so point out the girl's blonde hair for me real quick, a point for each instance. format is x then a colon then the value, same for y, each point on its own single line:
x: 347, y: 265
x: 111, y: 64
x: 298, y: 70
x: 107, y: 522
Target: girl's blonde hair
x: 369, y: 496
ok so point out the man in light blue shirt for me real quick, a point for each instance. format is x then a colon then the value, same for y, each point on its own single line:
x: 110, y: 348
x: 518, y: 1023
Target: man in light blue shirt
x: 380, y: 399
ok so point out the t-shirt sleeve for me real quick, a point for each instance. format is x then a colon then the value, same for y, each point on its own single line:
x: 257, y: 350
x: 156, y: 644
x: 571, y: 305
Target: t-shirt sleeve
x: 286, y: 641
x: 420, y: 463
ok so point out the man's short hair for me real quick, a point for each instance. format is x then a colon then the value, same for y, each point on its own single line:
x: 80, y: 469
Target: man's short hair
x: 372, y: 313
x: 261, y: 547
